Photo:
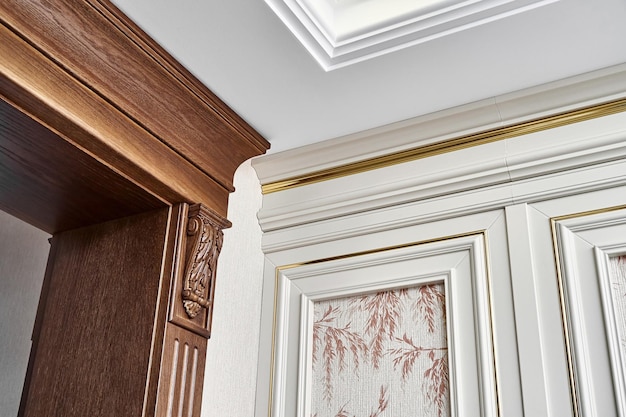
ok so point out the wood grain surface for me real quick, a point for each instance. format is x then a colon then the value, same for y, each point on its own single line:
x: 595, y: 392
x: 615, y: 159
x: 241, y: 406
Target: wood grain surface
x: 46, y: 93
x: 101, y: 48
x: 182, y: 373
x: 104, y: 141
x: 95, y: 343
x: 53, y: 185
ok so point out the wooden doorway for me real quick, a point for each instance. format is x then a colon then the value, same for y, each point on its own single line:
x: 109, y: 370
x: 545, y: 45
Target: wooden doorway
x: 105, y: 142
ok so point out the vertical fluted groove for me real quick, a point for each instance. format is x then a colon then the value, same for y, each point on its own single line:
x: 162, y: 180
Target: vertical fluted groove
x: 170, y: 397
x: 193, y: 382
x: 183, y: 381
x: 184, y: 372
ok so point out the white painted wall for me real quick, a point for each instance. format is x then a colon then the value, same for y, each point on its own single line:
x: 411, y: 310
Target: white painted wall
x: 230, y: 379
x: 23, y: 254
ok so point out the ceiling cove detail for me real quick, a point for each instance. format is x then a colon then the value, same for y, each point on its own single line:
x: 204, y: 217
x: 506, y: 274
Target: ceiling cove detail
x: 343, y: 32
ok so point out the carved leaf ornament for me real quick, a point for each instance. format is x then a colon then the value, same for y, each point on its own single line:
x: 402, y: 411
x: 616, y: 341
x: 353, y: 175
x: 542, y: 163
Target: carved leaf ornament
x: 205, y: 235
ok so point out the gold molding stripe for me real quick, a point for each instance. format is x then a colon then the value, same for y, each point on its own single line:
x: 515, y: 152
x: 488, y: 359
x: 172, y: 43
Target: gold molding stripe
x: 492, y: 314
x: 569, y: 350
x: 451, y: 145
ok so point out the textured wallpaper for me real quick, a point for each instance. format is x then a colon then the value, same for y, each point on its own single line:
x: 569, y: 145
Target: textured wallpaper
x: 381, y: 354
x: 232, y: 351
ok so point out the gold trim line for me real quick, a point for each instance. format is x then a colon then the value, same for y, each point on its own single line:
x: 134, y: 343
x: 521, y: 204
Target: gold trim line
x: 279, y: 269
x: 455, y: 144
x: 569, y: 349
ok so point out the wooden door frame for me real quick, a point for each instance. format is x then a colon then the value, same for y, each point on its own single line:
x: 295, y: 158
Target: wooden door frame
x: 119, y: 128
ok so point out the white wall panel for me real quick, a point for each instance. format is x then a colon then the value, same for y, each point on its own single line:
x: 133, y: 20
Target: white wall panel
x: 585, y: 245
x: 556, y: 324
x: 458, y: 263
x: 351, y: 267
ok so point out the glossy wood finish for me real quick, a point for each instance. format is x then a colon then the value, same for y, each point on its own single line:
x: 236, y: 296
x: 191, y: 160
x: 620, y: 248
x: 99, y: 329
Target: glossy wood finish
x: 200, y: 242
x: 99, y: 46
x: 48, y: 94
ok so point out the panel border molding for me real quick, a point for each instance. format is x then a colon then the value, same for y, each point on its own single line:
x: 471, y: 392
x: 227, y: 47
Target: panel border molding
x: 475, y: 243
x: 487, y: 225
x: 564, y: 228
x: 547, y: 370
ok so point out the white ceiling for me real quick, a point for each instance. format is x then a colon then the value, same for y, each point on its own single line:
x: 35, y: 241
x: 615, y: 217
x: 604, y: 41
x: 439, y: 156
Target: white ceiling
x: 343, y: 32
x: 245, y: 54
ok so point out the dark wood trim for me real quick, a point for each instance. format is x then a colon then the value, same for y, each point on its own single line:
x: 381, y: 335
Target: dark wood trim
x: 186, y: 78
x: 108, y: 55
x: 183, y: 369
x: 196, y: 262
x: 56, y: 186
x: 104, y: 311
x: 47, y: 94
x: 108, y: 138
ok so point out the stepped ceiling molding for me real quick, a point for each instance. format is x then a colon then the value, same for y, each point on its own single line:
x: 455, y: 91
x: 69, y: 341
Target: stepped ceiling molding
x: 343, y: 32
x: 461, y: 52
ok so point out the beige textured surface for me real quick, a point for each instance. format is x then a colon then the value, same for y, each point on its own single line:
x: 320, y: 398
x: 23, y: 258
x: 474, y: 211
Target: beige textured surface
x: 232, y: 352
x: 23, y: 255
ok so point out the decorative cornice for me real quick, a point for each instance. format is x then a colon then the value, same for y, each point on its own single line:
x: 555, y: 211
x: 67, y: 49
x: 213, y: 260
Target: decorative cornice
x: 180, y: 73
x: 450, y: 145
x: 570, y: 100
x: 55, y: 99
x: 106, y: 53
x: 343, y: 33
x: 506, y: 169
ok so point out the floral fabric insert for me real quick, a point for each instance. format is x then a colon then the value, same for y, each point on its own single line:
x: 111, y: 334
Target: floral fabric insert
x: 617, y: 272
x: 381, y: 354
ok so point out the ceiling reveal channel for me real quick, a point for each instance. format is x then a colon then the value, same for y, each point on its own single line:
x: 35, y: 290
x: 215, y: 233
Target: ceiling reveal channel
x: 338, y: 33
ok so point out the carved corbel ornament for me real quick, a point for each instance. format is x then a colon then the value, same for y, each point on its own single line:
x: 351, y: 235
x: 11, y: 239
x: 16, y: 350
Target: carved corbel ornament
x: 204, y: 242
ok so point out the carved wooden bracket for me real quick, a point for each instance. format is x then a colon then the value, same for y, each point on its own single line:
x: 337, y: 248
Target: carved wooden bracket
x: 205, y: 236
x: 201, y: 238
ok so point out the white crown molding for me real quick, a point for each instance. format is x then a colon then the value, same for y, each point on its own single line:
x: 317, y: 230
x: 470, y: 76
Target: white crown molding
x: 548, y: 164
x: 509, y: 109
x: 609, y: 176
x: 340, y: 33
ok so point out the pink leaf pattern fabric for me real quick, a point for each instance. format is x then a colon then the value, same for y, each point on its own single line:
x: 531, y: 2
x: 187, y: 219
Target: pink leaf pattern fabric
x: 617, y: 275
x: 381, y: 354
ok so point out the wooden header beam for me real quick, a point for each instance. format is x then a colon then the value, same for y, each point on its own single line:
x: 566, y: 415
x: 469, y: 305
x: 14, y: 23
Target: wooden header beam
x: 89, y: 74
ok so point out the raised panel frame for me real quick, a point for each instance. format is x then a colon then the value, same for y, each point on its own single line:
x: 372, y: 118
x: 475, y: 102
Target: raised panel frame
x: 549, y: 372
x: 584, y: 244
x: 505, y: 400
x: 459, y: 263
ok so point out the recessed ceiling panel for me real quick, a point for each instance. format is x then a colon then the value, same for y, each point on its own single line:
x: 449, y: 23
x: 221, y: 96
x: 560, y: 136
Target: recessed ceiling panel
x: 342, y: 32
